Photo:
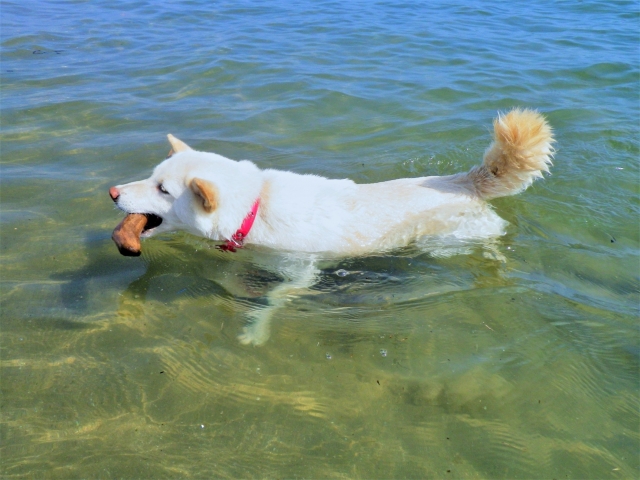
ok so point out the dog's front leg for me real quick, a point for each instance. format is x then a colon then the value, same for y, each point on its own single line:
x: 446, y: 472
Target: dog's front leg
x: 300, y: 273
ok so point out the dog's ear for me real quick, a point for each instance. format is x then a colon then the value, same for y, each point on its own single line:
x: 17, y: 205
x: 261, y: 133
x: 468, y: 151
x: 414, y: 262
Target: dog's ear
x: 177, y: 145
x: 207, y: 192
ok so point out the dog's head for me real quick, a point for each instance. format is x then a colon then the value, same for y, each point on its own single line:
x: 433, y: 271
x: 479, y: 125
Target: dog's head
x: 201, y: 193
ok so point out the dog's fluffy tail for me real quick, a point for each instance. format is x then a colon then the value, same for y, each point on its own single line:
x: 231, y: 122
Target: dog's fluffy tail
x: 521, y: 150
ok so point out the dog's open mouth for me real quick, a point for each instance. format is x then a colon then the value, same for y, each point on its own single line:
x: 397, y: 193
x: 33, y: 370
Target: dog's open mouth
x: 128, y: 232
x: 153, y: 221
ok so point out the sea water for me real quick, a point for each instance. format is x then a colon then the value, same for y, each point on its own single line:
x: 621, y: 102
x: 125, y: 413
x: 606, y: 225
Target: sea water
x: 514, y: 360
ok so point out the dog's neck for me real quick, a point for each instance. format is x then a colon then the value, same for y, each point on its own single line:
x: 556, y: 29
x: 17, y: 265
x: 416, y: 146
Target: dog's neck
x: 237, y: 239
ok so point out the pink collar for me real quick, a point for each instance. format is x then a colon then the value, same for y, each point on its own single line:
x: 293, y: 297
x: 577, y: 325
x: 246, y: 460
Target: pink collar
x: 237, y: 239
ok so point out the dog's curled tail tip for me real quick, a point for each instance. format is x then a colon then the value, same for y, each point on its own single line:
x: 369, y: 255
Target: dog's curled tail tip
x: 521, y: 151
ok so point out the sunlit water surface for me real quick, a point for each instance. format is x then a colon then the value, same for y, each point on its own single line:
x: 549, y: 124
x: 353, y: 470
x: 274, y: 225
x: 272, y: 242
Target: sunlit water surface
x: 516, y: 360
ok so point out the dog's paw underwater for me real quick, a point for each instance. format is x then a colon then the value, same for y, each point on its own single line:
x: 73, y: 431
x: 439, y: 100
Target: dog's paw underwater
x: 212, y: 196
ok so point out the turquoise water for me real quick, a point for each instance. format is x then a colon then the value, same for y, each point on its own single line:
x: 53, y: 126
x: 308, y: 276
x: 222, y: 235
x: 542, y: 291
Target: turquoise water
x: 516, y: 362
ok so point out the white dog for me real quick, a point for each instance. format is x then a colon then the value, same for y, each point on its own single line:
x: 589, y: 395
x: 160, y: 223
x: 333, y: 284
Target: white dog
x: 237, y: 203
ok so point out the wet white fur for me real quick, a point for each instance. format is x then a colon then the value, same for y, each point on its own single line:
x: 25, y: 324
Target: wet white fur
x: 308, y: 213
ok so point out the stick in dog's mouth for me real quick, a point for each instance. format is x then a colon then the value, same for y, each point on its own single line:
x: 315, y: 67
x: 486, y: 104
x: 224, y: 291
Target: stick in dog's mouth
x: 127, y: 234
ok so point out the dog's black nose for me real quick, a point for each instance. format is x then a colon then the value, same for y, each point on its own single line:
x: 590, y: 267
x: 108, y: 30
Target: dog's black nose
x: 114, y: 193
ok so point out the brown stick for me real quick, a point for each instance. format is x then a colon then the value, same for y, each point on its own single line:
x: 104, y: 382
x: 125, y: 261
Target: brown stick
x: 127, y: 234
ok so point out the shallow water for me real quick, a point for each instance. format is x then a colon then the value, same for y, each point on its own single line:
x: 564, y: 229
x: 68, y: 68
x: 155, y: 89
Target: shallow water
x: 517, y: 360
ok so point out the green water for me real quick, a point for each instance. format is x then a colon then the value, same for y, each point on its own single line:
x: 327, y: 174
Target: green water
x: 516, y: 361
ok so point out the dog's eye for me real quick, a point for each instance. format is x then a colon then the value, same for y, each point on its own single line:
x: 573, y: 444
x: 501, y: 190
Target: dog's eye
x: 162, y: 189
